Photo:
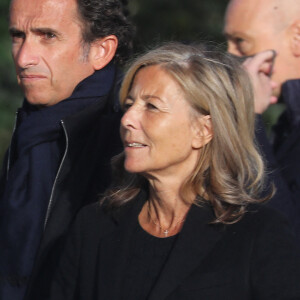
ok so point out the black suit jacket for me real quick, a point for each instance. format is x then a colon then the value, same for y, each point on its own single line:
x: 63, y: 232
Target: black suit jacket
x: 255, y: 258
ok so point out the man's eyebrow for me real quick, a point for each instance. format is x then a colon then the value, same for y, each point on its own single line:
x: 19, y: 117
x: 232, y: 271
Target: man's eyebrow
x: 45, y: 30
x: 14, y: 30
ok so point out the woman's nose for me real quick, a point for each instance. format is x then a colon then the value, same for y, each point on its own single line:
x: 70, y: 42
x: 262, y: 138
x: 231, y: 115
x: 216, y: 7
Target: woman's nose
x: 131, y: 117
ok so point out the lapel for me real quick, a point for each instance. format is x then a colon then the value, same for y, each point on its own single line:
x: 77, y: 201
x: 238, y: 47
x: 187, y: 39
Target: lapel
x: 115, y: 250
x: 194, y: 243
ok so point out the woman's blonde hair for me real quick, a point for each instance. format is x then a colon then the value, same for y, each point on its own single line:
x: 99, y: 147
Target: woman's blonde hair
x: 230, y: 170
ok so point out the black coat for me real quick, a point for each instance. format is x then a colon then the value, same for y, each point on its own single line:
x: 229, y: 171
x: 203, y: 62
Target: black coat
x: 282, y: 156
x: 91, y: 139
x: 85, y: 173
x: 255, y: 258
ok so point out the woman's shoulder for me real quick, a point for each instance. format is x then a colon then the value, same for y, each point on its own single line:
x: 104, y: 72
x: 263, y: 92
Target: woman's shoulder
x: 90, y: 220
x: 265, y: 223
x: 102, y: 215
x: 262, y: 214
x: 93, y: 213
x: 97, y: 213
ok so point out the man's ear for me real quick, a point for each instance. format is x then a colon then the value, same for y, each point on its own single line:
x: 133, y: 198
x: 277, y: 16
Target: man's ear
x: 203, y: 131
x: 295, y: 38
x: 102, y: 51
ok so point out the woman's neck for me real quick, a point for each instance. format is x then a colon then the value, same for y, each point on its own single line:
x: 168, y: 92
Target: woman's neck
x: 165, y: 211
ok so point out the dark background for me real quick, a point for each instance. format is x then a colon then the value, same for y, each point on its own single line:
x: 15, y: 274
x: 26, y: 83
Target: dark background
x: 156, y: 21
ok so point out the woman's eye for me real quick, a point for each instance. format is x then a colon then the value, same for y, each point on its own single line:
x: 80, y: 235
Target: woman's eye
x: 127, y: 105
x: 151, y: 106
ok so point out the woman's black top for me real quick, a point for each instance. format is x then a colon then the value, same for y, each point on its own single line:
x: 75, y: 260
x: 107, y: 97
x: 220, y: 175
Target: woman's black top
x: 146, y: 259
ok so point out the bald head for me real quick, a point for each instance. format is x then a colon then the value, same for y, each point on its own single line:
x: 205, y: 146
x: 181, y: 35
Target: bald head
x: 252, y: 26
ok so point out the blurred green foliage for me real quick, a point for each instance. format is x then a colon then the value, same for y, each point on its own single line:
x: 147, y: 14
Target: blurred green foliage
x: 188, y: 20
x: 10, y: 96
x: 156, y: 21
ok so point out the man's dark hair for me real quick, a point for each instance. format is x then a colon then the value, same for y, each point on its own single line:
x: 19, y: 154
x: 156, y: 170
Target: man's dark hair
x: 101, y: 18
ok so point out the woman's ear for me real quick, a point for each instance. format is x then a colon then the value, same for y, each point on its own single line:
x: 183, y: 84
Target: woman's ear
x: 102, y: 51
x: 203, y: 131
x: 295, y: 38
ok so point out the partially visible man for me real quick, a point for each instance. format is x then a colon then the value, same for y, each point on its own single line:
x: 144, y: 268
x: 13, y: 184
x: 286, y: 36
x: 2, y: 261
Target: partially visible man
x: 66, y: 54
x: 252, y: 26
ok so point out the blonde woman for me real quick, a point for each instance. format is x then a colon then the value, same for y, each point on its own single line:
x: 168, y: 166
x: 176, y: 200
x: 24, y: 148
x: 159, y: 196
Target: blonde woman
x: 184, y: 219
